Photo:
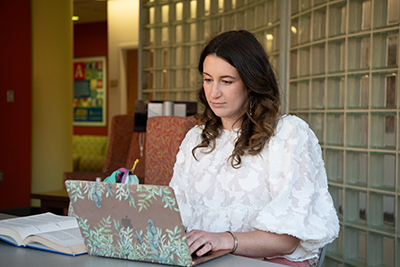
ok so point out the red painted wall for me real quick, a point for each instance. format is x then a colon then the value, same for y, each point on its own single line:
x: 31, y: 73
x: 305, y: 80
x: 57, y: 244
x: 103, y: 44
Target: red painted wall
x: 16, y: 75
x: 90, y: 39
x: 15, y: 117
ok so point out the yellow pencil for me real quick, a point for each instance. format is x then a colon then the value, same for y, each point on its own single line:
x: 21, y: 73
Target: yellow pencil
x: 134, y: 165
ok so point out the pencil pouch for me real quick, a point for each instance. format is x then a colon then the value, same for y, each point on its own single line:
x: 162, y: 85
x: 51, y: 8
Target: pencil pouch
x: 123, y: 176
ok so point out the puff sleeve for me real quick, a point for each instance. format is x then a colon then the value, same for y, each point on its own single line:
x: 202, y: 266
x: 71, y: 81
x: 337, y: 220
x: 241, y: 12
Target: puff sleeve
x: 300, y: 204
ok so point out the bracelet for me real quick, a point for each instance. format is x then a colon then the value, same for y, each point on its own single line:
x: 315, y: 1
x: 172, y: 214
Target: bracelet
x: 235, y: 246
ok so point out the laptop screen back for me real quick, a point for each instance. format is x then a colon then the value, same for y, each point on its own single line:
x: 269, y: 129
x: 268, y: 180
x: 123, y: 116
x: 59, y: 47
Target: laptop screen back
x: 127, y: 221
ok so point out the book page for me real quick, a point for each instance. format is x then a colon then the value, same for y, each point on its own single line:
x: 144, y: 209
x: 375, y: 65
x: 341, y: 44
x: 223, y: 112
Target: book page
x: 9, y: 239
x: 37, y: 224
x: 72, y: 251
x: 65, y: 238
x: 67, y: 241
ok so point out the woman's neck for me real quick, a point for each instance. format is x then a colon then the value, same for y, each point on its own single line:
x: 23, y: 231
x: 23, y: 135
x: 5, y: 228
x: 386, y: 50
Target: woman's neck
x: 229, y: 125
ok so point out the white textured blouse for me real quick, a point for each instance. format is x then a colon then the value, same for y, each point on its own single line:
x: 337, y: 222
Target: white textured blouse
x: 282, y: 190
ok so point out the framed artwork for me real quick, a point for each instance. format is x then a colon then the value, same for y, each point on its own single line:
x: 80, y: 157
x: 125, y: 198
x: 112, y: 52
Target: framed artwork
x: 90, y: 95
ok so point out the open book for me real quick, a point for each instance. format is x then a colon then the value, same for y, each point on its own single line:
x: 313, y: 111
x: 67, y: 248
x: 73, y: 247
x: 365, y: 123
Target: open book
x: 45, y: 231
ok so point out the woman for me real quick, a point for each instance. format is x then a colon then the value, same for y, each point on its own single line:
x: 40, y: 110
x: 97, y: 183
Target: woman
x: 248, y: 179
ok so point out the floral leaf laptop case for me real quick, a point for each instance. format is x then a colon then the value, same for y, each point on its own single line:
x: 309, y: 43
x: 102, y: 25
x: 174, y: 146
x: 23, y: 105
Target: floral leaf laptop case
x: 126, y: 221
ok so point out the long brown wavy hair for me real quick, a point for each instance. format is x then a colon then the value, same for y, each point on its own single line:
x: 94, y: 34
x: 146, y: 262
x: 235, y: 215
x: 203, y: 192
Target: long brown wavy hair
x: 243, y: 51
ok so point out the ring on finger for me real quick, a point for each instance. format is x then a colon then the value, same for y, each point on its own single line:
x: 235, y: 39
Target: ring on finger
x: 210, y: 244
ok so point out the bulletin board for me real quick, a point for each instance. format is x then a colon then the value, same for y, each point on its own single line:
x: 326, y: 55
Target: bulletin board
x: 90, y: 95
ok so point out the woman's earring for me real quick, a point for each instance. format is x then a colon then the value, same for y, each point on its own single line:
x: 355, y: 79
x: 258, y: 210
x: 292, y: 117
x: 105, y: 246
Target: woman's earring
x: 251, y: 109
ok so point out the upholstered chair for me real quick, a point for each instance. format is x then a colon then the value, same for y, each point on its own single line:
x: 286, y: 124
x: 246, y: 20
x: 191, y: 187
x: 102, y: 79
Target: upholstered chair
x: 163, y: 138
x: 117, y: 153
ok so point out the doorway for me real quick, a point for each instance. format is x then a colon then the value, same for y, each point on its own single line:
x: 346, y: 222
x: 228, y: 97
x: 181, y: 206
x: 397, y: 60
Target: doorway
x: 132, y: 79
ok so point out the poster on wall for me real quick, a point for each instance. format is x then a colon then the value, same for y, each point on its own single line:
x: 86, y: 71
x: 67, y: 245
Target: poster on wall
x: 90, y: 96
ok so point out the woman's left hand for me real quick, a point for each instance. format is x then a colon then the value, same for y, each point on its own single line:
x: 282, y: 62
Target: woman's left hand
x: 204, y: 242
x: 255, y: 244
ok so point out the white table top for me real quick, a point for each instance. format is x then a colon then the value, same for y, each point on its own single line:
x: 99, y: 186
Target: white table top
x: 12, y: 256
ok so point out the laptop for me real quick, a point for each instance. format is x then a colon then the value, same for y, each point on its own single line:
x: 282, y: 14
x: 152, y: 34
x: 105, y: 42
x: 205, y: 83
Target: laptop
x: 132, y: 221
